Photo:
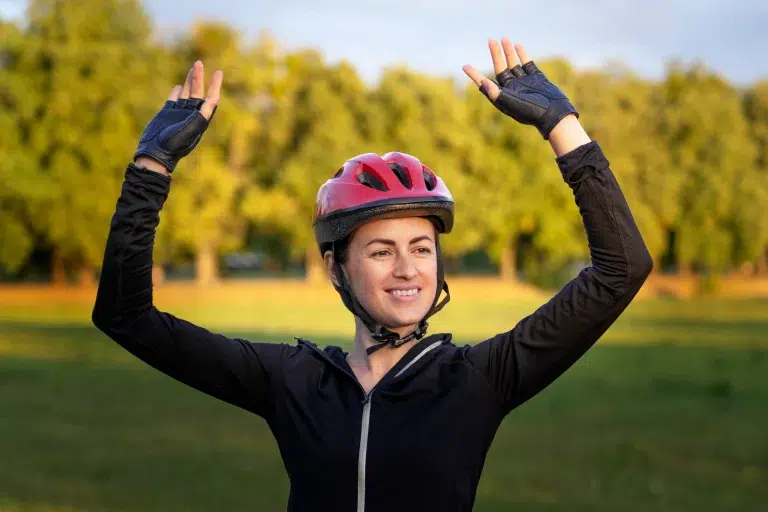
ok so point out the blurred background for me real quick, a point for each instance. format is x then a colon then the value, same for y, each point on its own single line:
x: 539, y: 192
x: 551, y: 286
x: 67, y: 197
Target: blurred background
x: 668, y: 412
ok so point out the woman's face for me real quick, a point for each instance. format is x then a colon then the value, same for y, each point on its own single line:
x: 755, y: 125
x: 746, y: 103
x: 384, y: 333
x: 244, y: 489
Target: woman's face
x: 392, y: 269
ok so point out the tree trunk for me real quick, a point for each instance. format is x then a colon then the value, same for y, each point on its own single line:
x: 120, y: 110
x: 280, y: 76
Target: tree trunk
x: 508, y: 263
x: 656, y: 265
x: 58, y: 269
x: 206, y: 266
x: 86, y: 276
x: 238, y: 151
x: 315, y: 268
x: 158, y: 274
x: 761, y: 265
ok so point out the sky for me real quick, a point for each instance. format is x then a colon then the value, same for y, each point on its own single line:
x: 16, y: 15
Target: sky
x: 438, y: 37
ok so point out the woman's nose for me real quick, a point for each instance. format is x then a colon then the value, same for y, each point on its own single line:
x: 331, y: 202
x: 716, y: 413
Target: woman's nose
x: 405, y: 267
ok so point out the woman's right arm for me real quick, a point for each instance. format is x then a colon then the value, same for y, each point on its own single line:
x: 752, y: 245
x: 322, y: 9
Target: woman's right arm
x: 231, y: 369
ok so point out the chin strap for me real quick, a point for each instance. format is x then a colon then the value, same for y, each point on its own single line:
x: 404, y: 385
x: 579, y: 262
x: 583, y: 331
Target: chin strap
x: 383, y: 336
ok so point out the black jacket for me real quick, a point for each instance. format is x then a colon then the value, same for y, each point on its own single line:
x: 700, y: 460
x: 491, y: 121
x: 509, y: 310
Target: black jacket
x: 418, y: 441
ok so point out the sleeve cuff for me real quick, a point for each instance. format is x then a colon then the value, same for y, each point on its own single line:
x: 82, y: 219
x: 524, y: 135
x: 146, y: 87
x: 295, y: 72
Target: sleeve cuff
x: 156, y: 182
x: 582, y: 162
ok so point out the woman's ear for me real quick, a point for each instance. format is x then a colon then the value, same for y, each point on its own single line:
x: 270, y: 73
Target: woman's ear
x: 330, y: 267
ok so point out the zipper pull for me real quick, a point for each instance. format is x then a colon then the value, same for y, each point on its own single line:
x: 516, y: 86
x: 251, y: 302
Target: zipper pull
x: 367, y: 398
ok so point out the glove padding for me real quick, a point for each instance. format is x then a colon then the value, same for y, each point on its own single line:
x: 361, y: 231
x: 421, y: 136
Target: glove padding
x: 174, y: 132
x: 530, y: 98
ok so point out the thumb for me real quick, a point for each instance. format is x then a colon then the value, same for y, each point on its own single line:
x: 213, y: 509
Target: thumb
x: 490, y: 89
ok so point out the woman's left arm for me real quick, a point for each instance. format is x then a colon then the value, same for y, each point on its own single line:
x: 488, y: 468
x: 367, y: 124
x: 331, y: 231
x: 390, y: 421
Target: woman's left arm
x: 520, y: 363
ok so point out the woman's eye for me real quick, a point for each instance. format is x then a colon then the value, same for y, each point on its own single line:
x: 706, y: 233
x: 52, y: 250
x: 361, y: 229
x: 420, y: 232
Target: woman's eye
x: 424, y: 250
x: 380, y: 253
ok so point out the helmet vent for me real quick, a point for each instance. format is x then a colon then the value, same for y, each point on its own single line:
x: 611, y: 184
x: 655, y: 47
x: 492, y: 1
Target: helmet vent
x: 338, y: 173
x: 402, y: 175
x: 369, y: 180
x: 430, y: 180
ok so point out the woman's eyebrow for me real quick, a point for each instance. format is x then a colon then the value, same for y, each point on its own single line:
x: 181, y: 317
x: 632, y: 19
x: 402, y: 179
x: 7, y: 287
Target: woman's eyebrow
x: 386, y: 241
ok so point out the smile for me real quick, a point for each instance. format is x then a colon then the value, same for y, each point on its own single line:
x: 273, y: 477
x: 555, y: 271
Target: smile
x: 405, y: 293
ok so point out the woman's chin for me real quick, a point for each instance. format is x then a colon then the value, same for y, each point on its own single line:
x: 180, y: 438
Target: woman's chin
x: 405, y: 324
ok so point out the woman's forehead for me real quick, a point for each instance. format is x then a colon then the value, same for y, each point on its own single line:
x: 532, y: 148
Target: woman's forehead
x: 400, y: 230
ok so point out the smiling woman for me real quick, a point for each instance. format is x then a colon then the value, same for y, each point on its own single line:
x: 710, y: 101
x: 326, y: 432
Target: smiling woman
x: 404, y: 420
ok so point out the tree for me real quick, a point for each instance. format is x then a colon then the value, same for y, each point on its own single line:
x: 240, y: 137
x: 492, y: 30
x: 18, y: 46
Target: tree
x: 622, y: 112
x: 519, y: 195
x: 429, y: 119
x: 709, y: 145
x: 17, y: 184
x: 206, y: 213
x: 750, y: 221
x: 86, y: 68
x: 316, y: 124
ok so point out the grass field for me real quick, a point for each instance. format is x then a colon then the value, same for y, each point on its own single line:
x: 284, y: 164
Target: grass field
x: 668, y: 412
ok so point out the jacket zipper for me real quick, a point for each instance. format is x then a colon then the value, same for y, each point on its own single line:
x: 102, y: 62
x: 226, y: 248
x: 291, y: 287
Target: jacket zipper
x: 361, y: 459
x: 362, y: 455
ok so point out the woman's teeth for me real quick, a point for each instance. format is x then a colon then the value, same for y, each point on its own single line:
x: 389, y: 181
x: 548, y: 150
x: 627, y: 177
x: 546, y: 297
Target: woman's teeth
x: 404, y: 293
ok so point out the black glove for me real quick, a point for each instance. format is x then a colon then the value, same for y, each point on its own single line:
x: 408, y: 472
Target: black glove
x: 530, y: 98
x: 174, y: 132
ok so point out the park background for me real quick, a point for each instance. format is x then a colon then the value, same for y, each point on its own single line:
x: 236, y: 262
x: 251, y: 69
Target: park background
x: 668, y: 412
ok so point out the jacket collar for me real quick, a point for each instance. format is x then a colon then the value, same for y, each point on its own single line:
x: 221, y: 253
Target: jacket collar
x: 337, y: 357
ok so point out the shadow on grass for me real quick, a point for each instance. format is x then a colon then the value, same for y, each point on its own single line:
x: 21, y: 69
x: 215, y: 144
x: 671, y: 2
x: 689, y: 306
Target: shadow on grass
x: 628, y: 428
x: 726, y: 329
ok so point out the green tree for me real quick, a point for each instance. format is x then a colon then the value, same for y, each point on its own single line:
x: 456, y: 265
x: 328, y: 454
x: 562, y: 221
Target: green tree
x: 17, y: 184
x: 316, y: 125
x: 709, y: 145
x: 750, y: 221
x: 518, y: 194
x: 85, y: 67
x: 427, y: 118
x: 622, y: 112
x: 206, y: 212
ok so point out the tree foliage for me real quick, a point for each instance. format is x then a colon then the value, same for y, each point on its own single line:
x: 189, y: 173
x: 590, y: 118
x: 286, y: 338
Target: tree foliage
x: 79, y: 80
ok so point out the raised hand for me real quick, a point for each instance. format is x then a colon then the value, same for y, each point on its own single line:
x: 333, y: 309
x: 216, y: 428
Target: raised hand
x: 523, y: 92
x: 177, y: 128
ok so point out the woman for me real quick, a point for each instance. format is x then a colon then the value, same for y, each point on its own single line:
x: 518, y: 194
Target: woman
x: 404, y: 421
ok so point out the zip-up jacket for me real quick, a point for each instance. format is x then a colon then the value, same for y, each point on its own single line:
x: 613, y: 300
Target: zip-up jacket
x: 418, y: 440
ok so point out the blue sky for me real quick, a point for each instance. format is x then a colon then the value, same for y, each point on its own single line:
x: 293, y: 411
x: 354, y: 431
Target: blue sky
x: 438, y: 37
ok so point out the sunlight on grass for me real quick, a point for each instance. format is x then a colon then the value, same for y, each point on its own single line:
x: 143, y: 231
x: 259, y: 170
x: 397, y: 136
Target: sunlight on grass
x: 667, y: 413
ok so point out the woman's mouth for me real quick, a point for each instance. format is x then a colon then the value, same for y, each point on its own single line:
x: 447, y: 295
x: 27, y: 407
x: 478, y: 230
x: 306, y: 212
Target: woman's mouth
x: 405, y: 294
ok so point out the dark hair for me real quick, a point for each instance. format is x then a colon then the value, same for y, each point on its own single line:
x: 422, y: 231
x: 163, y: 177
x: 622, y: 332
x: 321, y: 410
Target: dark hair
x: 341, y: 249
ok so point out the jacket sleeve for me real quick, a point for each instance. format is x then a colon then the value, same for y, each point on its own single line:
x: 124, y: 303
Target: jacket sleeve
x: 520, y: 363
x: 231, y: 369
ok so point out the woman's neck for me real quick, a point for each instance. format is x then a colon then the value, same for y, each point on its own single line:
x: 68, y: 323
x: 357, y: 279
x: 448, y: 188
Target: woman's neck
x: 381, y: 361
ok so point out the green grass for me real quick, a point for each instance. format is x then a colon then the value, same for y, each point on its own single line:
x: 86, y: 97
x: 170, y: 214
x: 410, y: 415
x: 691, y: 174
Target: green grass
x: 668, y: 412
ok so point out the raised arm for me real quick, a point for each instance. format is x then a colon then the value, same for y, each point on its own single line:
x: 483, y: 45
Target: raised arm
x: 520, y: 363
x: 233, y: 370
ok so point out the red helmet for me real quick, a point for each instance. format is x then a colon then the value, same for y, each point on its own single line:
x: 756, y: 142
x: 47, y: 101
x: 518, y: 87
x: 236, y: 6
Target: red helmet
x: 370, y: 186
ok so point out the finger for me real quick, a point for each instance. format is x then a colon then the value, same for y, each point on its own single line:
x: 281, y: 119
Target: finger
x: 491, y: 89
x: 498, y: 61
x: 174, y: 93
x: 198, y: 80
x: 212, y: 98
x: 522, y: 54
x: 187, y: 86
x: 474, y: 74
x: 509, y: 53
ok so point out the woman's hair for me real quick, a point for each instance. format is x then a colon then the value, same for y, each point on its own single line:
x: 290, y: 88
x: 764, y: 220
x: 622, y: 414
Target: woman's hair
x: 341, y: 249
